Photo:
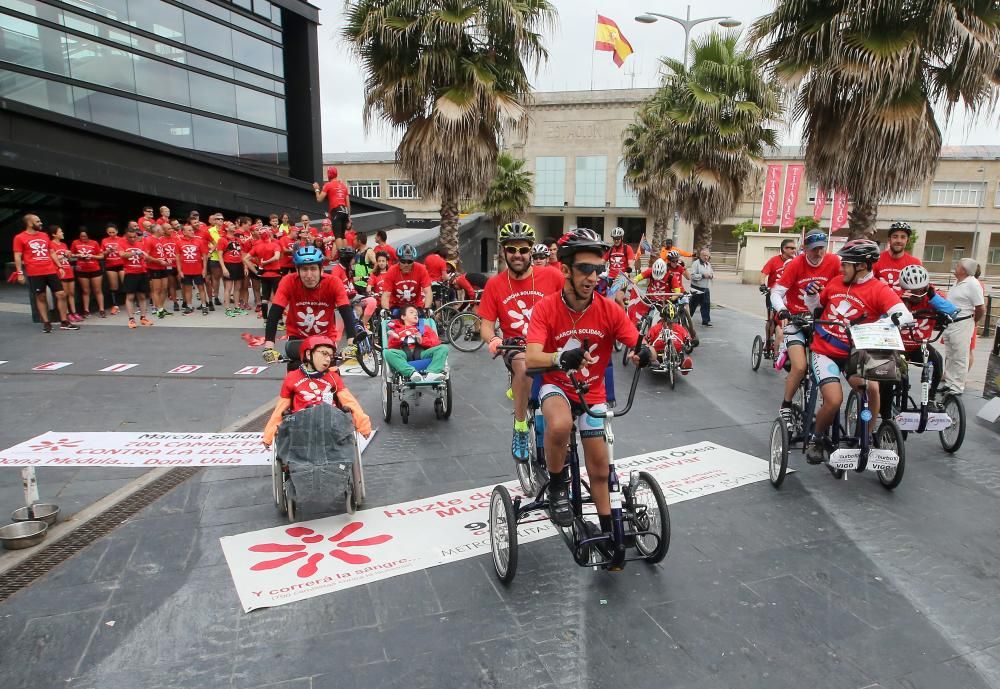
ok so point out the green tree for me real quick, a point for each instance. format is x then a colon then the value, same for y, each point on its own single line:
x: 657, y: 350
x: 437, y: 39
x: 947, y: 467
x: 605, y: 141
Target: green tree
x: 866, y: 77
x: 510, y: 190
x: 744, y: 228
x: 451, y: 75
x: 803, y: 224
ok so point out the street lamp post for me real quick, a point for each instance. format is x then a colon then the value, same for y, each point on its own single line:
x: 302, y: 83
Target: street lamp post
x: 979, y: 208
x: 687, y: 24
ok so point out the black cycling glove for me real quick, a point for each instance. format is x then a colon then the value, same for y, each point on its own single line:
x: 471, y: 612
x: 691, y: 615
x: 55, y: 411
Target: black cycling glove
x: 571, y: 359
x: 784, y: 315
x: 763, y: 289
x: 645, y: 356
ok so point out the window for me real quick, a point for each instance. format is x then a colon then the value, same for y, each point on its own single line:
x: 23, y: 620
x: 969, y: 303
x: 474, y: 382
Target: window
x: 403, y: 189
x: 29, y: 45
x: 107, y: 110
x: 957, y: 193
x: 165, y: 125
x: 157, y: 17
x: 254, y: 106
x: 910, y: 197
x: 253, y: 52
x: 212, y: 95
x: 993, y: 257
x: 550, y: 181
x: 957, y: 254
x: 256, y: 144
x: 162, y: 81
x: 365, y: 188
x: 207, y: 35
x: 100, y: 64
x: 112, y: 9
x: 215, y: 136
x: 624, y: 197
x: 591, y: 174
x: 812, y: 194
x: 933, y: 254
x: 41, y: 93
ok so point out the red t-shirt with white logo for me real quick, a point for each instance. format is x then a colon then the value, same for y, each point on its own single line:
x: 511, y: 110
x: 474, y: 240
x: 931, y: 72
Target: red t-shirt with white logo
x: 887, y: 268
x: 86, y: 250
x: 336, y: 193
x: 619, y: 259
x: 112, y: 247
x: 191, y: 253
x: 436, y: 267
x: 773, y: 269
x: 408, y: 289
x: 659, y: 290
x: 34, y: 250
x: 264, y: 250
x: 310, y: 311
x: 864, y: 303
x: 168, y: 245
x: 923, y: 327
x: 557, y: 328
x: 305, y: 391
x: 798, y: 274
x: 135, y: 262
x: 154, y: 247
x: 376, y: 284
x: 231, y: 250
x: 337, y: 272
x: 512, y: 300
x: 62, y: 252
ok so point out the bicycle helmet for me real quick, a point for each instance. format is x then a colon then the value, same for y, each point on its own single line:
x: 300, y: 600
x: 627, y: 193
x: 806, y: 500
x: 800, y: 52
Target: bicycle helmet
x: 580, y: 239
x: 814, y: 239
x: 673, y: 255
x: 901, y: 226
x: 407, y: 253
x: 859, y: 251
x: 346, y: 252
x: 516, y: 231
x: 540, y: 251
x: 617, y: 233
x: 914, y: 278
x: 659, y: 270
x: 307, y: 256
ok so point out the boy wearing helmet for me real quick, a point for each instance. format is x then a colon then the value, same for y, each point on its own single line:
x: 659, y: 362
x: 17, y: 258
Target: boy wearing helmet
x: 663, y: 286
x: 338, y: 197
x: 406, y: 283
x: 510, y: 297
x: 314, y: 382
x: 855, y: 296
x: 574, y: 330
x: 895, y: 258
x: 920, y: 298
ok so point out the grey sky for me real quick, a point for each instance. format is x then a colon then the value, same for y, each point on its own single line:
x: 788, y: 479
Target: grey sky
x: 571, y: 54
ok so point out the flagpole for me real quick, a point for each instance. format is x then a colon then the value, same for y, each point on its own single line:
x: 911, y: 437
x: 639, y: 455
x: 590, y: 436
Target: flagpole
x: 593, y: 51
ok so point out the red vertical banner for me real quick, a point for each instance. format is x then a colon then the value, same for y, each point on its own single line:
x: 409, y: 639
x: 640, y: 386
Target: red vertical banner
x: 790, y: 199
x: 839, y: 217
x: 820, y: 205
x: 772, y: 190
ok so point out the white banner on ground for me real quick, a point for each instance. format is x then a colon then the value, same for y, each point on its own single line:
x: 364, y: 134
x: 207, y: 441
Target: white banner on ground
x: 288, y: 563
x: 118, y: 368
x: 52, y: 366
x: 351, y: 367
x: 185, y: 368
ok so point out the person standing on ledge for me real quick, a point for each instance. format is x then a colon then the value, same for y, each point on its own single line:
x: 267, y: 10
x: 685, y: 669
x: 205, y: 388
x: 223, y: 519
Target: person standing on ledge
x: 338, y: 196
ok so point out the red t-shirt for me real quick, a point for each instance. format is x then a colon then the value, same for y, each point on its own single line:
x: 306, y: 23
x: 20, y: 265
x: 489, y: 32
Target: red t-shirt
x: 773, y: 269
x: 34, y: 249
x: 154, y: 247
x: 192, y: 253
x: 336, y: 193
x: 557, y: 328
x: 462, y: 283
x: 618, y: 260
x: 264, y: 250
x: 287, y: 248
x: 659, y: 290
x: 62, y: 251
x: 310, y: 311
x: 512, y: 300
x: 350, y: 238
x: 865, y: 303
x: 887, y: 268
x: 337, y: 272
x: 401, y: 336
x: 406, y: 290
x: 135, y: 263
x: 305, y: 391
x: 376, y: 284
x: 168, y: 244
x: 86, y: 250
x: 112, y: 247
x: 231, y: 250
x: 393, y: 258
x: 923, y: 328
x: 798, y: 274
x: 436, y: 267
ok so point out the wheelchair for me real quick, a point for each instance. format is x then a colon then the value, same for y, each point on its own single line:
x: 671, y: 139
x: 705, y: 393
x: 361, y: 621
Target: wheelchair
x: 407, y: 392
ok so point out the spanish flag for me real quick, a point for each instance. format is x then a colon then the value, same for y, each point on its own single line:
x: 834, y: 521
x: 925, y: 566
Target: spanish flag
x: 608, y: 37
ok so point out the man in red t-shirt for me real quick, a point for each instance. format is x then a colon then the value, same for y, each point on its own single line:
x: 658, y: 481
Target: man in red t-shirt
x: 892, y: 261
x: 406, y: 283
x: 854, y: 297
x: 510, y: 297
x: 436, y: 266
x: 33, y: 256
x: 264, y: 261
x: 382, y: 244
x: 164, y: 218
x: 147, y: 216
x: 574, y: 331
x: 620, y: 256
x: 769, y: 275
x: 338, y: 197
x: 192, y: 267
x: 135, y: 284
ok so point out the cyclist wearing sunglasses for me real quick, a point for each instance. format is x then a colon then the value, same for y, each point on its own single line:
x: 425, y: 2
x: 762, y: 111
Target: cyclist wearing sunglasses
x: 510, y: 297
x: 406, y: 283
x: 575, y: 330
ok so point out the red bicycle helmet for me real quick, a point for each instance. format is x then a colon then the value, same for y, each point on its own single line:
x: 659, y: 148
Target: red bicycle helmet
x: 312, y: 342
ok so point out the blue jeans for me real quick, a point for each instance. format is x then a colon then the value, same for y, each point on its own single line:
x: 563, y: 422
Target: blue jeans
x: 705, y: 302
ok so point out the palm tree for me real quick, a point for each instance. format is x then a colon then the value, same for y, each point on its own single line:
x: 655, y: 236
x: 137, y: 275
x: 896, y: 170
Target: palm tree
x: 509, y: 193
x: 451, y: 76
x: 653, y: 183
x: 866, y: 77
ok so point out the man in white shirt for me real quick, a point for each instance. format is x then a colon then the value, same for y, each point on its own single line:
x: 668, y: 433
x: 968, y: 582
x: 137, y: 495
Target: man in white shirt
x: 967, y: 295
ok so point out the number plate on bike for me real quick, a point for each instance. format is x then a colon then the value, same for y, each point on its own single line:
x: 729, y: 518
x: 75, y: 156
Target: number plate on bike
x: 910, y: 421
x: 880, y: 460
x: 845, y: 459
x: 879, y: 335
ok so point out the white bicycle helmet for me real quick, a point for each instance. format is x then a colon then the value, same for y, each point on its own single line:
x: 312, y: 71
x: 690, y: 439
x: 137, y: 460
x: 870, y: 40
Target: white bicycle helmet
x: 659, y: 269
x: 617, y: 233
x: 540, y: 251
x: 914, y: 278
x: 673, y: 255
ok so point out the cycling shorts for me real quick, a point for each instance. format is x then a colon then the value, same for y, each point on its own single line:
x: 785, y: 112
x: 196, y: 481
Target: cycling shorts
x: 590, y: 427
x: 794, y: 336
x: 338, y: 221
x: 826, y: 369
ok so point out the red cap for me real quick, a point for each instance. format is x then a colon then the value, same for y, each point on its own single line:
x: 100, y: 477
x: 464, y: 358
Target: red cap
x: 331, y: 172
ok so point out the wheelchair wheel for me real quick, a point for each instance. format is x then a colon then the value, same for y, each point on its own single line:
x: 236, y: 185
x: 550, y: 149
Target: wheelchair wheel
x: 404, y: 411
x: 369, y: 358
x: 447, y: 404
x: 387, y: 401
x: 650, y: 513
x: 503, y: 534
x: 277, y: 477
x: 953, y: 436
x: 756, y: 352
x: 357, y: 496
x: 851, y: 414
x: 291, y: 506
x: 463, y: 332
x: 778, y: 457
x: 888, y: 437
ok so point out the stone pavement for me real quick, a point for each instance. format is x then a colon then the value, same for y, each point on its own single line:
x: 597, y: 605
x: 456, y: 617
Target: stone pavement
x: 820, y: 584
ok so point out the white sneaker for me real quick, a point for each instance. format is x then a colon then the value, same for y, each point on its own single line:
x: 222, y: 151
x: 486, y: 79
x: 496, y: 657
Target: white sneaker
x: 415, y: 377
x: 432, y: 377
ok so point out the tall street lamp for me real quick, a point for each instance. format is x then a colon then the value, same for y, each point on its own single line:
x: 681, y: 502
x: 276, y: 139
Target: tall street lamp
x: 687, y: 24
x: 979, y: 207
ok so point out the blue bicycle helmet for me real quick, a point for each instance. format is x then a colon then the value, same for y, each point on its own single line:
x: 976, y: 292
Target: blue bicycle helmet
x: 814, y: 239
x: 307, y: 256
x: 407, y: 253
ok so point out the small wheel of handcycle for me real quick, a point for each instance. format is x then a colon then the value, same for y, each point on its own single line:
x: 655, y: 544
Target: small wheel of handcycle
x: 953, y: 436
x: 778, y: 456
x: 889, y: 437
x: 650, y: 514
x: 404, y: 411
x: 277, y: 480
x: 756, y: 352
x: 442, y: 405
x: 503, y: 534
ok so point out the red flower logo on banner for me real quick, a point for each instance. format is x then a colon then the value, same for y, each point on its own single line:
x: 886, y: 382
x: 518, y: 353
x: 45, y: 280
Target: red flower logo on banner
x: 55, y: 445
x: 307, y: 538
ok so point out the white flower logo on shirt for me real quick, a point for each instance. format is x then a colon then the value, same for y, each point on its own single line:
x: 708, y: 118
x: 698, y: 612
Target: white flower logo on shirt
x: 845, y: 311
x: 39, y: 249
x: 574, y: 343
x: 406, y: 294
x: 520, y: 317
x: 190, y: 252
x: 312, y: 322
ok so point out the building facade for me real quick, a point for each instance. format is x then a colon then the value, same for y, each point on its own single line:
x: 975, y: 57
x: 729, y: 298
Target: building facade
x: 377, y: 177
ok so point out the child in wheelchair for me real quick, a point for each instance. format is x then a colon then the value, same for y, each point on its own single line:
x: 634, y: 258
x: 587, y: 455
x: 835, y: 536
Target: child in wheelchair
x: 316, y: 381
x: 410, y: 340
x: 677, y: 336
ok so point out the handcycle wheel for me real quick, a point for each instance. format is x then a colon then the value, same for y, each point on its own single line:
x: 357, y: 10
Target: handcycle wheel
x: 851, y: 413
x: 291, y: 506
x: 529, y: 474
x: 777, y: 464
x: 650, y: 514
x: 756, y: 352
x: 443, y: 317
x: 503, y: 534
x: 357, y: 481
x: 387, y: 401
x: 889, y: 437
x: 369, y: 358
x: 953, y: 436
x: 404, y: 411
x: 672, y: 365
x: 463, y: 332
x: 276, y: 477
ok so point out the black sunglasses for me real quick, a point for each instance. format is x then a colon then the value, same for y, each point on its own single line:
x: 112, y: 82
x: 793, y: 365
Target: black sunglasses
x: 588, y: 268
x: 522, y: 250
x: 405, y: 262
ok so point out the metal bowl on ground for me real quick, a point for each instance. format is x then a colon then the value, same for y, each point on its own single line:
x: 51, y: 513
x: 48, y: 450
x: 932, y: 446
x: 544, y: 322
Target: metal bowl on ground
x: 40, y: 511
x: 23, y: 534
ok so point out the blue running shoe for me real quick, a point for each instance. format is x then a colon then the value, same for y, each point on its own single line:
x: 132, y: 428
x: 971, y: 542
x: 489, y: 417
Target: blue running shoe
x: 519, y: 446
